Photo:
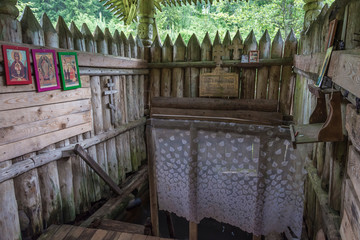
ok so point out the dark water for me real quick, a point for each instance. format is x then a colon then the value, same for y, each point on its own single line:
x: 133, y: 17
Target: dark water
x: 208, y: 229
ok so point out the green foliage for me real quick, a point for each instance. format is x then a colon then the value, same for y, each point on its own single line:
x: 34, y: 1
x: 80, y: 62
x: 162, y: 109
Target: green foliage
x: 258, y: 15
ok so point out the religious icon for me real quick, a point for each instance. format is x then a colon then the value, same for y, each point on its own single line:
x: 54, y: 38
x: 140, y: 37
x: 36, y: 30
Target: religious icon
x: 331, y: 34
x: 46, y: 72
x: 17, y: 65
x: 253, y: 56
x: 324, y: 67
x: 69, y: 70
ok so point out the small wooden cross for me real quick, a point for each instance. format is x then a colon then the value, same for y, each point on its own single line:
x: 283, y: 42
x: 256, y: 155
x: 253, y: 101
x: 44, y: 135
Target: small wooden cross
x: 237, y: 48
x: 218, y: 52
x: 110, y: 84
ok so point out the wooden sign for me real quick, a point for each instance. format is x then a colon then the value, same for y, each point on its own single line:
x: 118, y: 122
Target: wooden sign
x: 219, y: 84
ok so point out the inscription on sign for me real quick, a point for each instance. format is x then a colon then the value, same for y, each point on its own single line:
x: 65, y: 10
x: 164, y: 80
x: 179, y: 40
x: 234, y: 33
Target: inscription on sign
x: 219, y: 84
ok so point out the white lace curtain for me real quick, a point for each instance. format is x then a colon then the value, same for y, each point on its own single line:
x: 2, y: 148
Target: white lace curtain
x: 248, y: 176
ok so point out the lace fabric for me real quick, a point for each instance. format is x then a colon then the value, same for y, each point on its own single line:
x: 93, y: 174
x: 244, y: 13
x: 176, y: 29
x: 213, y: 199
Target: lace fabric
x: 248, y: 176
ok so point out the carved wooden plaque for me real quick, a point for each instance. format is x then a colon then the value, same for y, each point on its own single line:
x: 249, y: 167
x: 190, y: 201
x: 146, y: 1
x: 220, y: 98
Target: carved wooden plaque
x: 219, y: 84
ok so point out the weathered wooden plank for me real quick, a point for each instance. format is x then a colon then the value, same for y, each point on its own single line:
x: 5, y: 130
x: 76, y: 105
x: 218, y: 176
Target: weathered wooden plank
x: 191, y: 85
x: 112, y: 225
x: 352, y: 125
x: 24, y: 131
x: 353, y: 168
x: 178, y: 73
x: 287, y: 76
x: 88, y: 159
x: 193, y: 231
x: 352, y: 208
x: 274, y: 74
x: 12, y: 150
x: 99, y: 235
x: 216, y: 104
x: 155, y: 74
x: 166, y: 76
x: 16, y: 88
x: 51, y: 37
x: 9, y: 218
x: 79, y: 41
x: 111, y: 207
x: 95, y: 71
x: 87, y: 234
x: 32, y: 33
x: 44, y: 158
x: 249, y: 75
x: 240, y: 115
x: 345, y: 228
x: 74, y: 233
x: 263, y: 73
x: 28, y: 99
x: 41, y: 113
x: 49, y: 232
x: 206, y: 52
x: 125, y: 236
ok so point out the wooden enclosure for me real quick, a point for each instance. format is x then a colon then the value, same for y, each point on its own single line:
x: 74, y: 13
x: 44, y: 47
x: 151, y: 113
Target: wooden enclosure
x: 39, y: 186
x: 331, y: 196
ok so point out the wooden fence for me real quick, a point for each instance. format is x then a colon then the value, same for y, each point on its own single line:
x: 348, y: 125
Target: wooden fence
x: 175, y: 68
x: 38, y: 185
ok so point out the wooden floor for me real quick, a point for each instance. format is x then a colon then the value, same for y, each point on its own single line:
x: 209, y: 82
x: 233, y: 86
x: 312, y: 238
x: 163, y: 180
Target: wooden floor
x: 69, y: 232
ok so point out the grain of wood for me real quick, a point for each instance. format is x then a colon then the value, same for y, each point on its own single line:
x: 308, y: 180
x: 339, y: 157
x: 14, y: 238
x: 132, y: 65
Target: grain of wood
x: 88, y: 38
x: 51, y: 37
x: 112, y: 47
x: 352, y: 208
x: 101, y: 44
x: 79, y: 41
x: 65, y: 36
x: 119, y: 43
x: 191, y: 85
x: 206, y: 52
x: 32, y: 33
x: 287, y: 76
x: 155, y: 74
x: 263, y: 73
x: 178, y: 74
x: 345, y: 228
x: 249, y: 75
x: 9, y: 151
x: 166, y: 75
x: 29, y: 99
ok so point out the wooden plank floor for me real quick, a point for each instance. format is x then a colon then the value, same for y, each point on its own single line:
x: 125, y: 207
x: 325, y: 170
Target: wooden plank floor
x: 69, y: 232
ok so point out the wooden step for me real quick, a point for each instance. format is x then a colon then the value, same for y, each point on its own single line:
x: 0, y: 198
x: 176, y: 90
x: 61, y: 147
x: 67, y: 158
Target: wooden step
x: 117, y: 226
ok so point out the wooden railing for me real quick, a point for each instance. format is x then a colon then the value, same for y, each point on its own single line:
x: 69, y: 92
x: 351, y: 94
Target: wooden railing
x: 175, y: 68
x: 39, y: 186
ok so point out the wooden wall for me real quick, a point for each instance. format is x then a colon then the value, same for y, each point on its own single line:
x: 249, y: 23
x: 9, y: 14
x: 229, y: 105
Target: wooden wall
x: 38, y: 186
x: 175, y: 68
x: 331, y: 196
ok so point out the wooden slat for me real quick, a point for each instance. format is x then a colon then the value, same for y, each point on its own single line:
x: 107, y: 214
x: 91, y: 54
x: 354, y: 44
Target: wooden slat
x: 353, y: 168
x: 112, y: 225
x: 345, y: 228
x: 352, y: 125
x: 352, y: 208
x: 13, y: 150
x: 24, y: 131
x: 125, y: 236
x: 193, y: 231
x: 86, y: 234
x: 62, y: 232
x: 16, y: 88
x: 74, y: 233
x: 30, y: 99
x: 215, y: 104
x: 45, y: 112
x: 89, y: 160
x: 99, y: 235
x: 112, y: 236
x: 111, y: 71
x: 48, y: 233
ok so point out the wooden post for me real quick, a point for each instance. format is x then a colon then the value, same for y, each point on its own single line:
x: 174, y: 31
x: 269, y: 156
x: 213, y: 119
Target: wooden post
x: 146, y: 13
x: 51, y: 37
x: 178, y: 73
x: 193, y: 231
x: 167, y: 52
x: 32, y: 33
x: 249, y: 75
x: 155, y: 75
x: 101, y: 44
x: 50, y: 191
x: 119, y: 43
x: 238, y: 41
x: 263, y: 73
x: 312, y: 10
x: 152, y: 184
x: 192, y: 75
x: 112, y: 47
x: 226, y: 46
x: 288, y: 77
x: 79, y: 41
x: 131, y: 106
x: 206, y: 52
x: 90, y: 44
x: 66, y: 185
x: 274, y: 76
x: 65, y: 36
x: 193, y: 172
x: 10, y: 27
x: 9, y: 218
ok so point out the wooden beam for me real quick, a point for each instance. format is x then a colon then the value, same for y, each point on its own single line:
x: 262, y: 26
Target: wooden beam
x: 111, y: 207
x: 352, y: 124
x: 118, y: 226
x: 93, y: 164
x: 42, y: 159
x: 111, y: 71
x: 265, y: 105
x: 225, y: 63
